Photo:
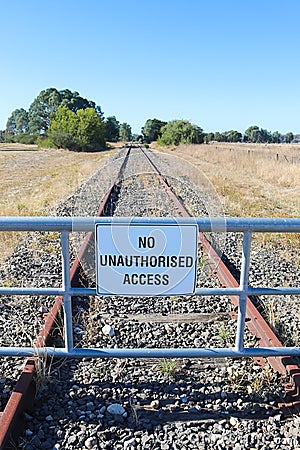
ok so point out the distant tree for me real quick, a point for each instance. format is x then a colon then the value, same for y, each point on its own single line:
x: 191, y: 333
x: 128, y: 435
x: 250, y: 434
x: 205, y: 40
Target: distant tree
x: 152, y: 130
x: 90, y: 130
x: 63, y: 128
x: 289, y: 137
x: 219, y: 137
x: 251, y: 134
x: 47, y: 103
x: 83, y: 130
x: 265, y: 136
x: 276, y: 137
x: 256, y: 135
x: 2, y: 136
x: 17, y: 123
x: 125, y: 132
x: 234, y: 136
x: 137, y: 137
x: 112, y: 129
x: 74, y: 102
x: 42, y: 108
x: 180, y: 132
x: 208, y: 137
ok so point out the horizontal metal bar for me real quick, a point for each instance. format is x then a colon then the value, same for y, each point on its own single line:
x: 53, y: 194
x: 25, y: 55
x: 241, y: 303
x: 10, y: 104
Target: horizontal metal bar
x: 82, y: 292
x: 23, y: 223
x: 280, y: 290
x: 31, y: 291
x: 150, y: 352
x: 85, y: 292
x: 216, y: 224
x: 273, y: 291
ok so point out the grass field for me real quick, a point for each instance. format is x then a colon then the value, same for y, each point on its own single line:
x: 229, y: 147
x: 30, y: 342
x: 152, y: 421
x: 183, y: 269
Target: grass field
x: 250, y: 179
x: 33, y: 181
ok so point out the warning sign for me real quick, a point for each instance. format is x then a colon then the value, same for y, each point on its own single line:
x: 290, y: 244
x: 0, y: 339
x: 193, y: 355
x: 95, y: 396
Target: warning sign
x: 146, y: 259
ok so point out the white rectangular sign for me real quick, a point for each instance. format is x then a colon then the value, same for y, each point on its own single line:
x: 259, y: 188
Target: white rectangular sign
x: 146, y: 259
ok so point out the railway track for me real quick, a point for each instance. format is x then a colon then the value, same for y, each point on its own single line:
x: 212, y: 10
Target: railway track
x: 126, y: 316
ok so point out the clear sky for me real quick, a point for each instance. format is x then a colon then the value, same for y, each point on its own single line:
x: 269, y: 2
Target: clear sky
x: 222, y: 64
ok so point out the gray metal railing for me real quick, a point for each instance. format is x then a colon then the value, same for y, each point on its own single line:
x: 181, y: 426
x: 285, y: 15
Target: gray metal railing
x: 67, y: 225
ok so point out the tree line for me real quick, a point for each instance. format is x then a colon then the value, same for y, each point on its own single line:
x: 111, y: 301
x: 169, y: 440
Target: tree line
x: 183, y: 132
x: 64, y: 119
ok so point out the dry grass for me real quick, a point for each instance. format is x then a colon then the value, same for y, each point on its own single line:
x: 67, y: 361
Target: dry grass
x: 250, y: 180
x: 33, y: 181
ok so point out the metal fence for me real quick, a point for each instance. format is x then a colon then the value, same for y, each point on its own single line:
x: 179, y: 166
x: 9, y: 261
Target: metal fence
x: 67, y: 225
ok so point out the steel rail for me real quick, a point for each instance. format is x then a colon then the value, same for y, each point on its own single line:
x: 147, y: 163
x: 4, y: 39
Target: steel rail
x: 11, y: 419
x: 247, y: 312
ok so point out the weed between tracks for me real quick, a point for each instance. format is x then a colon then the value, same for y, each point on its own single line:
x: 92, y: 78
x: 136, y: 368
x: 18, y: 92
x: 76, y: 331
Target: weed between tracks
x: 43, y: 368
x: 169, y: 367
x: 256, y: 382
x: 226, y: 335
x: 272, y: 308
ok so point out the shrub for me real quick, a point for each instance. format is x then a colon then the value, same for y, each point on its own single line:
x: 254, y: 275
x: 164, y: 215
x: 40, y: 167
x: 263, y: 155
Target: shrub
x: 82, y: 130
x: 180, y: 132
x: 26, y: 138
x: 44, y: 142
x: 22, y: 138
x: 62, y: 139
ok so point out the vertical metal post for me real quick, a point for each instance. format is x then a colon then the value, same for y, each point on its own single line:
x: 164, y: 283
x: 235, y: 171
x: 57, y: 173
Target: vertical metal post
x: 239, y: 341
x: 67, y: 303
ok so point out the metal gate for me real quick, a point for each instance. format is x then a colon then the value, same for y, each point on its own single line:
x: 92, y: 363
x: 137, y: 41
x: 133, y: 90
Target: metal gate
x: 67, y: 225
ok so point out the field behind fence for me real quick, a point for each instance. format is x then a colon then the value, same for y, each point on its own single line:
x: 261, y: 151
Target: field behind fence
x: 249, y: 179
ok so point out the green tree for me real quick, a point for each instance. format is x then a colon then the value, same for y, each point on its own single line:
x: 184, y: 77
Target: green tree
x: 47, y: 103
x: 112, y: 129
x: 62, y: 130
x: 208, y: 137
x: 2, y: 136
x: 180, y: 132
x: 90, y: 130
x: 234, y: 136
x: 289, y: 137
x: 42, y: 108
x: 125, y: 132
x: 265, y: 136
x: 252, y: 134
x: 218, y: 137
x: 17, y: 123
x: 276, y: 137
x: 74, y: 102
x: 83, y: 130
x: 137, y: 137
x: 256, y: 135
x: 152, y: 129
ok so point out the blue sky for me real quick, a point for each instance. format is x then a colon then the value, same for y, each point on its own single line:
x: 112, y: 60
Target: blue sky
x: 222, y: 64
